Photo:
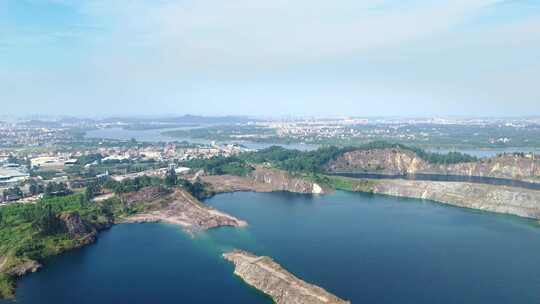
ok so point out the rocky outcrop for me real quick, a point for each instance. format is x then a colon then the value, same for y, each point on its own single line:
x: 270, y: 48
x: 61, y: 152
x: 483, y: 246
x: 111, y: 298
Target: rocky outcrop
x: 82, y: 232
x: 500, y: 199
x: 181, y: 208
x: 74, y: 225
x: 144, y: 195
x: 272, y: 279
x: 396, y: 161
x: 23, y: 267
x: 16, y: 267
x: 264, y: 180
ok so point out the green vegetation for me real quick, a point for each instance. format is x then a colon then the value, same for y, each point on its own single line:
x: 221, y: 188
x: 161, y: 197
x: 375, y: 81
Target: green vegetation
x: 27, y: 230
x: 170, y: 178
x: 225, y: 132
x: 45, y: 174
x: 295, y: 160
x: 7, y: 286
x: 221, y: 165
x: 92, y: 189
x: 197, y: 189
x: 33, y: 232
x: 132, y: 185
x: 56, y: 189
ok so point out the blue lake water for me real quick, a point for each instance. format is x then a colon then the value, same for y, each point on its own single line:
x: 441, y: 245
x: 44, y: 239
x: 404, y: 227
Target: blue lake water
x: 364, y: 248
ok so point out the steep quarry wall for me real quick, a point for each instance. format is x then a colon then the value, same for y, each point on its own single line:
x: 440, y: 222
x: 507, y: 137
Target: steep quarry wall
x: 264, y: 180
x: 280, y: 180
x: 396, y: 161
x: 500, y: 199
x: 272, y: 279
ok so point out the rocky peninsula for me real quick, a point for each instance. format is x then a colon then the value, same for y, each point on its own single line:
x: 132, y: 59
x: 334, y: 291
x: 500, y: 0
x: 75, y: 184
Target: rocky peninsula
x: 269, y: 277
x: 182, y: 209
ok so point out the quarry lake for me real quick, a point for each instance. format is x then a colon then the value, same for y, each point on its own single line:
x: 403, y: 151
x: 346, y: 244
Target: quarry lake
x: 363, y: 248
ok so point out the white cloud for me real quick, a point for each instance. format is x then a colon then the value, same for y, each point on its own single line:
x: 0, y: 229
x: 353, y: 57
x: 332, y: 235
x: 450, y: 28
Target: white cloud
x: 246, y: 55
x: 247, y: 32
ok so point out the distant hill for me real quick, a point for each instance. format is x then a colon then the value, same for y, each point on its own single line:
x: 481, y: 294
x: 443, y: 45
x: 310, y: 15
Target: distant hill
x: 35, y: 123
x: 186, y: 119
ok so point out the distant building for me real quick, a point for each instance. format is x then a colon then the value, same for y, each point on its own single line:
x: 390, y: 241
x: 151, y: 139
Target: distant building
x: 12, y: 175
x: 182, y: 170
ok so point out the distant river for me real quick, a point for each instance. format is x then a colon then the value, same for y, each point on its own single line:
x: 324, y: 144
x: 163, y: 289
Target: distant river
x: 365, y: 248
x: 155, y: 135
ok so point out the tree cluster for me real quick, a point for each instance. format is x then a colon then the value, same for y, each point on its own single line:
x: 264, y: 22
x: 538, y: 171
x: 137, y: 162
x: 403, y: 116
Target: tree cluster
x: 131, y: 185
x: 221, y: 165
x: 56, y: 189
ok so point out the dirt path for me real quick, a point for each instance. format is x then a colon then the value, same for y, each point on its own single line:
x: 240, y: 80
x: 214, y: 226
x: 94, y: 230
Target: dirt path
x: 3, y: 262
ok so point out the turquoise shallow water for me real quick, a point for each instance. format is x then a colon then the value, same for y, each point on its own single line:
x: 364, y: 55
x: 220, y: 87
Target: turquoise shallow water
x: 368, y: 249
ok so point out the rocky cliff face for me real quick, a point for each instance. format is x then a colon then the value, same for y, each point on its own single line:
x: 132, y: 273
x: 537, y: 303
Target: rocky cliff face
x: 264, y: 180
x: 500, y: 199
x: 144, y: 195
x: 283, y: 181
x: 74, y: 225
x: 84, y: 233
x: 272, y: 279
x: 397, y: 161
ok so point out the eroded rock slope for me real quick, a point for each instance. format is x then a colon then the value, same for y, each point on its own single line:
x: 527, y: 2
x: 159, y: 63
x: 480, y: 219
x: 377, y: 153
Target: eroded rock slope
x: 396, y: 161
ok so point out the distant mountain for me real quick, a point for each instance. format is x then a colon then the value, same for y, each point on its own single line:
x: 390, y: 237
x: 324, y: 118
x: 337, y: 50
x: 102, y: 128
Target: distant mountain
x: 186, y: 119
x: 34, y: 123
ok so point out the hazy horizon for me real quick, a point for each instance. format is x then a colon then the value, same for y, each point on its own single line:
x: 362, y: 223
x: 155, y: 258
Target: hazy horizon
x: 308, y: 58
x: 263, y: 117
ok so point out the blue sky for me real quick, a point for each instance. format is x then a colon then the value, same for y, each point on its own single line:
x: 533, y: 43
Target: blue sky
x: 210, y: 57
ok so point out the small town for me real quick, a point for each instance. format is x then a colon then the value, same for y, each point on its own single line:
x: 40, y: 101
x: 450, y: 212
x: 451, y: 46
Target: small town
x: 24, y: 177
